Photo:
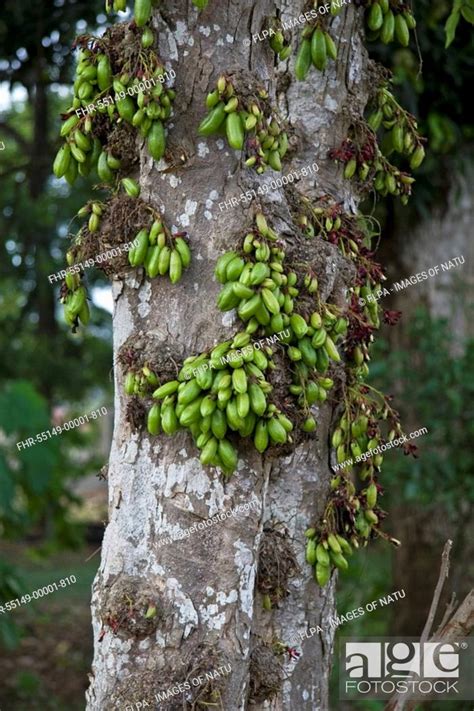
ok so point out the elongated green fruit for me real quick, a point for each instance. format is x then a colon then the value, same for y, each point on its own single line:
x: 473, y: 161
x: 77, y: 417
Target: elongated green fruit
x: 388, y: 28
x: 276, y: 431
x: 334, y: 544
x: 322, y: 574
x: 131, y: 187
x: 318, y: 49
x: 261, y: 436
x: 176, y: 266
x: 142, y: 12
x: 126, y: 108
x: 311, y: 551
x: 303, y: 60
x: 69, y: 124
x: 166, y: 389
x: 227, y: 454
x: 104, y: 73
x: 181, y: 246
x: 331, y: 48
x: 402, y: 32
x: 156, y: 140
x: 235, y: 131
x: 154, y: 419
x: 62, y: 160
x: 213, y: 120
x: 103, y: 169
x: 141, y: 248
x: 258, y: 401
x: 322, y: 555
x: 375, y: 17
x: 417, y: 158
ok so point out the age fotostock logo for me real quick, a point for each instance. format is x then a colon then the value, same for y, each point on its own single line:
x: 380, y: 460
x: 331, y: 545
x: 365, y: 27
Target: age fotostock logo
x: 379, y: 668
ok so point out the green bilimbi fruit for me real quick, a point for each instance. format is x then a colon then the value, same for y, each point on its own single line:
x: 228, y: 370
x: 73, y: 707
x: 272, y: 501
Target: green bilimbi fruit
x: 131, y: 187
x: 213, y: 121
x: 318, y: 49
x: 375, y: 17
x: 402, y: 32
x: 322, y: 555
x: 156, y: 140
x: 181, y: 246
x: 276, y: 431
x: 154, y: 419
x: 322, y: 574
x: 330, y: 46
x: 129, y: 385
x: 311, y: 551
x: 235, y: 131
x: 104, y: 73
x: 303, y: 60
x: 227, y: 455
x: 142, y: 12
x: 147, y: 37
x: 388, y: 28
x: 175, y: 266
x: 166, y: 389
x: 261, y: 436
x: 169, y: 421
x: 62, y: 160
x: 417, y: 157
x: 339, y: 560
x: 371, y: 495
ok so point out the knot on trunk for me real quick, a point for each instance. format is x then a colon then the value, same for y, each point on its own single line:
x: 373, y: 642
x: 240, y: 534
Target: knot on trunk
x: 132, y: 607
x: 276, y: 565
x: 266, y: 674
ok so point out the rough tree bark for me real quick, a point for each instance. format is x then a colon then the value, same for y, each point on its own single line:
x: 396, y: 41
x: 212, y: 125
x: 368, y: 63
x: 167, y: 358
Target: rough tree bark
x: 206, y: 585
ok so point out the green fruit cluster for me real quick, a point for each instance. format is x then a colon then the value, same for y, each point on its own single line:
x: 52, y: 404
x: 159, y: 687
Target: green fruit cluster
x: 74, y: 299
x: 402, y: 135
x: 159, y: 252
x: 254, y: 281
x: 248, y: 123
x: 226, y: 394
x: 278, y: 41
x: 326, y: 552
x: 316, y: 47
x: 84, y: 148
x: 387, y: 20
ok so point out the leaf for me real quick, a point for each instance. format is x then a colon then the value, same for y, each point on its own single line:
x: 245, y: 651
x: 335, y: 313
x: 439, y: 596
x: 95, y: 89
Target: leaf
x: 467, y: 11
x: 450, y: 27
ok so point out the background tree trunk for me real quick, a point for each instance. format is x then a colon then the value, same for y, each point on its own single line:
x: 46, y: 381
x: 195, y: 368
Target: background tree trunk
x: 206, y: 584
x: 447, y: 295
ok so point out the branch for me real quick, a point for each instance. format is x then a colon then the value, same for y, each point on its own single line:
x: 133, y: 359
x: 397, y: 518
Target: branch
x: 443, y: 574
x: 459, y: 626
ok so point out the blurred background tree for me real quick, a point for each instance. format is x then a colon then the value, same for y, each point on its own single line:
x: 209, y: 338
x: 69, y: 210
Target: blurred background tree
x: 46, y: 370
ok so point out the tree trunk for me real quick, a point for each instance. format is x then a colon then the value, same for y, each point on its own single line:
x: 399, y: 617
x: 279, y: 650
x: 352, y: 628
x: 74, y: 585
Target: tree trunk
x: 206, y: 584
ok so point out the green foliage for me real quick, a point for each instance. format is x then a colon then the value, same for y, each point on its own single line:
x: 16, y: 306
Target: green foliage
x: 464, y: 8
x: 436, y: 388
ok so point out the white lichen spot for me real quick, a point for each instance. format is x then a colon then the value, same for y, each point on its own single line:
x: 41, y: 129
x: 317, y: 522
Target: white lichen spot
x: 144, y: 296
x: 305, y: 695
x: 213, y: 195
x: 182, y: 603
x: 229, y: 39
x: 206, y: 31
x: 245, y: 564
x: 222, y: 598
x: 208, y: 215
x: 191, y: 41
x: 209, y: 591
x: 220, y: 144
x: 196, y: 287
x: 228, y: 318
x: 203, y: 150
x: 220, y: 43
x: 181, y: 32
x: 174, y: 180
x: 185, y: 53
x: 189, y: 210
x: 216, y: 28
x: 330, y: 103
